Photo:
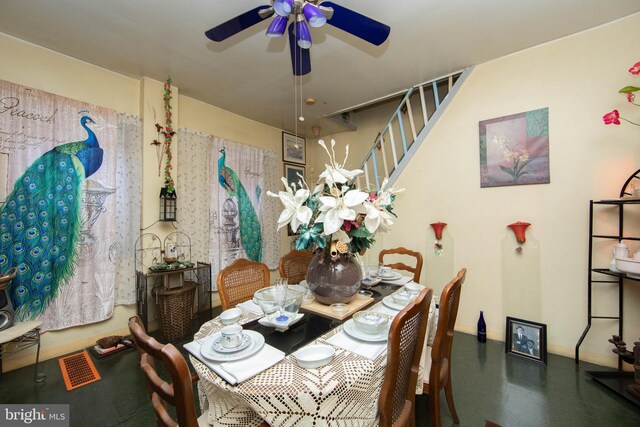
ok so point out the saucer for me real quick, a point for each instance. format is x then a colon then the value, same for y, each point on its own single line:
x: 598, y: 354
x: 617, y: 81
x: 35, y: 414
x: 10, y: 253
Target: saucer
x: 351, y: 329
x: 391, y: 276
x: 207, y: 351
x: 217, y: 345
x: 389, y: 302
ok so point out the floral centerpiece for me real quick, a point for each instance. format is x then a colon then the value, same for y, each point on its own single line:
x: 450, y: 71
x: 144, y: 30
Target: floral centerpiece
x: 339, y: 219
x: 614, y: 117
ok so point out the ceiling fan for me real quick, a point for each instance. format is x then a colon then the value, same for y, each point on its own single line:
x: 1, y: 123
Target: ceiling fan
x: 302, y: 12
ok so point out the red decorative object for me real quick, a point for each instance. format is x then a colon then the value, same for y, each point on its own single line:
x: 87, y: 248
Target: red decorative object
x: 519, y: 228
x: 437, y: 228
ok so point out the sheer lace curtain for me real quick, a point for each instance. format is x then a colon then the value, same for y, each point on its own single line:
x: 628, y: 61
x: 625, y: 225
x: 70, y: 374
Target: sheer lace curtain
x: 193, y: 190
x: 128, y: 196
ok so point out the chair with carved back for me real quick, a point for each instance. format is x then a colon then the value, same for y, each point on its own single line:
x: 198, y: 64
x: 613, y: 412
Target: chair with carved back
x: 440, y: 372
x: 294, y: 266
x: 238, y: 282
x: 406, y: 342
x: 178, y: 393
x: 416, y: 269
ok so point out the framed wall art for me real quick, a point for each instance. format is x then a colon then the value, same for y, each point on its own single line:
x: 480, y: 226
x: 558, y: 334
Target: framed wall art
x: 291, y: 173
x: 514, y: 150
x: 294, y: 149
x: 526, y: 339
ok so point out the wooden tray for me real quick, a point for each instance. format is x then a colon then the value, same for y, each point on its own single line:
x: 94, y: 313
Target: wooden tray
x: 354, y: 305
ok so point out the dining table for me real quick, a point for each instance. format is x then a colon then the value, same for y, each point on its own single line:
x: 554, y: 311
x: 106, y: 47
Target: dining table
x: 270, y: 386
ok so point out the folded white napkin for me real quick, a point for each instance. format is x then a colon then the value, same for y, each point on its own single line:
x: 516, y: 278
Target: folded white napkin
x: 251, y: 307
x: 240, y: 370
x: 369, y: 350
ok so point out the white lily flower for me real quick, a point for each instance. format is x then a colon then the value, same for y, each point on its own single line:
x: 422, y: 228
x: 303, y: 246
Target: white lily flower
x: 335, y: 210
x: 335, y: 172
x: 377, y: 217
x: 294, y: 212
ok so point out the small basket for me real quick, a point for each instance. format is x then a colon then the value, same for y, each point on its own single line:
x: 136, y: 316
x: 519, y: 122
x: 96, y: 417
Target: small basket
x: 174, y: 308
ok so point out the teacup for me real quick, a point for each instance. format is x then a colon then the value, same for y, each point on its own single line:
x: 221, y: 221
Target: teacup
x: 231, y: 336
x: 384, y: 271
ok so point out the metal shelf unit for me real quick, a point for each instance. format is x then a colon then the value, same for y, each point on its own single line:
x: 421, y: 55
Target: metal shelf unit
x: 617, y: 278
x: 200, y: 274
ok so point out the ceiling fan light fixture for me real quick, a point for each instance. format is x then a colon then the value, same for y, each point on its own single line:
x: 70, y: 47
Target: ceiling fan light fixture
x: 283, y: 7
x: 303, y: 36
x: 314, y: 16
x: 277, y: 26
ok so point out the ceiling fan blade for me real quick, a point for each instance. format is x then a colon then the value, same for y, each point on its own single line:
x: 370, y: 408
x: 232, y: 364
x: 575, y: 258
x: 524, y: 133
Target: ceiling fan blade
x: 359, y: 25
x: 300, y: 58
x: 241, y: 22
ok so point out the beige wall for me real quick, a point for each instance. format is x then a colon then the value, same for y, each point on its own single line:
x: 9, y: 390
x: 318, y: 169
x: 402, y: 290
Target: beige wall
x: 577, y: 78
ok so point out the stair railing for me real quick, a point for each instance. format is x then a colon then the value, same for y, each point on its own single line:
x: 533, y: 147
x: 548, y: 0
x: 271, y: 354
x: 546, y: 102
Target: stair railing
x: 397, y: 142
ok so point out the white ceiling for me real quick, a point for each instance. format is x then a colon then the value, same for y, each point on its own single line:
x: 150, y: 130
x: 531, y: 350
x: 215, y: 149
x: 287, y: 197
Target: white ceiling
x: 250, y: 74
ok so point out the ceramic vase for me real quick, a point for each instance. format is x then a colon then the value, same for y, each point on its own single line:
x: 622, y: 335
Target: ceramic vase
x: 334, y: 279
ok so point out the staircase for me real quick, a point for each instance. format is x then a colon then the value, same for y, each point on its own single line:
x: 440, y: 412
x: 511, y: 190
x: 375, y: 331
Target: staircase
x: 409, y: 126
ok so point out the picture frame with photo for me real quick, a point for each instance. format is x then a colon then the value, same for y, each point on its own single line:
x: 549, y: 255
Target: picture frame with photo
x: 294, y: 149
x: 291, y: 173
x: 526, y: 339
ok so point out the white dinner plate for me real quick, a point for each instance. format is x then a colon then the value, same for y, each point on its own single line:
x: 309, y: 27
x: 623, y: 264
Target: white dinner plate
x: 206, y: 347
x: 394, y: 275
x: 217, y: 344
x: 389, y: 302
x: 351, y: 329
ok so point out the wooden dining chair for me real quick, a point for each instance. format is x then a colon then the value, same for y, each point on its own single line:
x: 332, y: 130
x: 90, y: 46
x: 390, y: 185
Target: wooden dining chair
x: 294, y: 266
x: 178, y: 393
x: 416, y: 270
x: 238, y: 282
x: 405, y: 346
x: 440, y: 373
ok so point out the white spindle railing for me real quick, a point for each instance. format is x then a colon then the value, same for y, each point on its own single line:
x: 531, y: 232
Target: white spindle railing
x: 375, y: 162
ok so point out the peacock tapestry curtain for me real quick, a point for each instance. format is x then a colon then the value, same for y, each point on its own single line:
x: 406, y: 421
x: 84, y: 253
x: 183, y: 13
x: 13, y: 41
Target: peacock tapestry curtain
x: 69, y: 206
x: 224, y: 208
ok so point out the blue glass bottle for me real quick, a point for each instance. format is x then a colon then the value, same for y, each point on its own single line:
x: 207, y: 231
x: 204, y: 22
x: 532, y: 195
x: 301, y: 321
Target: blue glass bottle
x: 482, y: 329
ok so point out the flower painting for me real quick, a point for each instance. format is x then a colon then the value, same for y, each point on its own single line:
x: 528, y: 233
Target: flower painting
x: 514, y: 150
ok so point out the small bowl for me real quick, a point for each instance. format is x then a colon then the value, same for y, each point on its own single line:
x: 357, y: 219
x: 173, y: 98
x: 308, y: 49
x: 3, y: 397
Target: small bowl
x: 314, y: 356
x: 364, y: 294
x: 412, y: 287
x: 403, y: 297
x: 370, y: 322
x: 339, y: 308
x: 231, y: 316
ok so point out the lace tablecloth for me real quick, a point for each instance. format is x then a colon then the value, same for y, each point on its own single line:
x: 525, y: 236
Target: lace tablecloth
x: 343, y: 393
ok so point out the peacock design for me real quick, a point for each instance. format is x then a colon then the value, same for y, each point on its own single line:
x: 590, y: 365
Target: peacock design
x: 40, y: 222
x: 250, y: 234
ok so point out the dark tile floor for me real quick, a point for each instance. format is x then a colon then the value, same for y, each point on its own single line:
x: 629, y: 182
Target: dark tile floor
x: 487, y: 386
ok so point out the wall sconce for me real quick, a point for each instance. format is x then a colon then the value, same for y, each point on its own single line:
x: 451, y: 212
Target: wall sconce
x: 437, y: 229
x: 519, y: 229
x: 168, y: 204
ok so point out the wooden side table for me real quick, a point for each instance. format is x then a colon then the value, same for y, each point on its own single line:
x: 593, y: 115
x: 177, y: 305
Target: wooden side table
x: 20, y: 337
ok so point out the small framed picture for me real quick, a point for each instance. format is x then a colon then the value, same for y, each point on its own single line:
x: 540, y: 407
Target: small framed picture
x: 294, y: 149
x: 291, y: 173
x: 527, y: 340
